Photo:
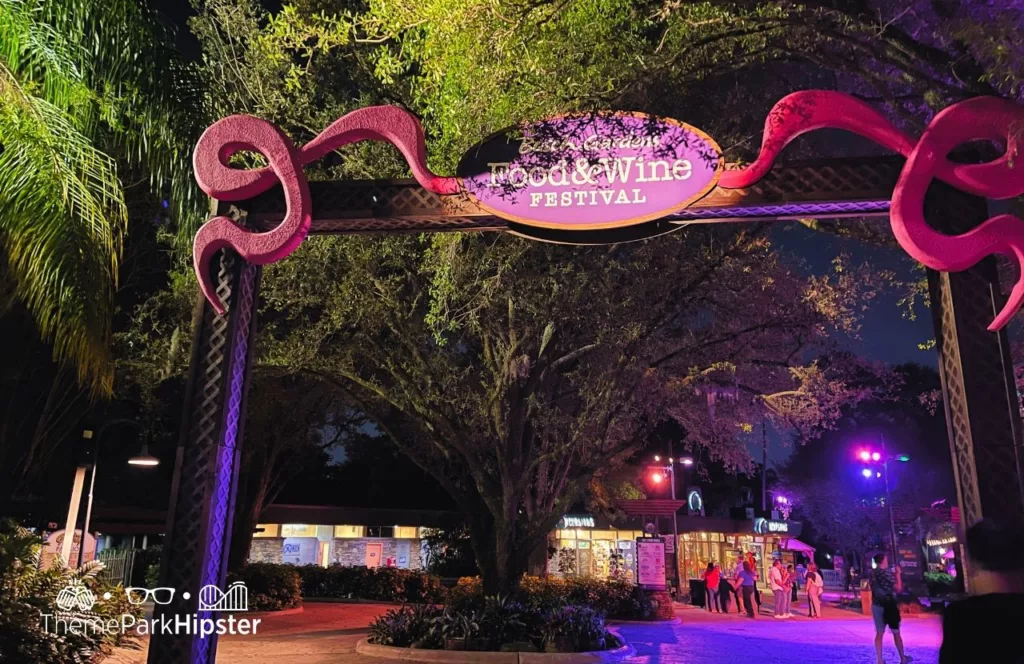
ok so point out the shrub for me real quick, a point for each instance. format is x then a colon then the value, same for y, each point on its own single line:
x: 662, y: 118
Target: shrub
x: 407, y: 626
x: 939, y: 583
x: 271, y: 587
x: 504, y: 620
x: 27, y: 592
x: 500, y: 621
x: 381, y: 583
x: 146, y: 567
x: 581, y: 626
x: 614, y: 598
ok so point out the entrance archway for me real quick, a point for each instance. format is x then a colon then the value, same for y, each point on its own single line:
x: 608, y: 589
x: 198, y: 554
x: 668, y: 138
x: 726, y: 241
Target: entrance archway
x: 979, y: 393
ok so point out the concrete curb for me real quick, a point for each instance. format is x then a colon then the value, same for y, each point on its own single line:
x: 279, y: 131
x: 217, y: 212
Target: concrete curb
x: 364, y: 647
x: 264, y: 614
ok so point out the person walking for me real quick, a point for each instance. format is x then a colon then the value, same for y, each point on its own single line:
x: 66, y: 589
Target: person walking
x: 791, y: 589
x: 885, y: 585
x: 712, y: 577
x: 777, y: 584
x: 728, y: 586
x: 815, y: 589
x: 748, y: 583
x: 752, y: 561
x: 996, y: 611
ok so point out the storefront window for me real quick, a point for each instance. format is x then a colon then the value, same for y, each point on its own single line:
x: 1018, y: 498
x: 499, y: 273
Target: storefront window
x: 380, y: 531
x: 298, y: 530
x: 343, y: 532
x: 405, y: 532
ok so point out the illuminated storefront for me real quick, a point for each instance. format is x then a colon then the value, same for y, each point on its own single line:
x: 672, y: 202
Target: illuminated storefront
x: 597, y: 548
x: 606, y: 553
x: 723, y: 541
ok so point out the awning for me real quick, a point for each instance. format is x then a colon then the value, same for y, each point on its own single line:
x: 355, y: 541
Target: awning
x: 793, y: 544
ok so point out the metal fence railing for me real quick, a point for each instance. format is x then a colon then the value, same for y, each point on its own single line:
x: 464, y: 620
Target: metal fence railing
x: 117, y: 565
x: 833, y: 578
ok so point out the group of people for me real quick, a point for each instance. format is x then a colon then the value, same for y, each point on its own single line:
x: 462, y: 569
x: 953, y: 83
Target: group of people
x: 984, y: 625
x: 741, y: 585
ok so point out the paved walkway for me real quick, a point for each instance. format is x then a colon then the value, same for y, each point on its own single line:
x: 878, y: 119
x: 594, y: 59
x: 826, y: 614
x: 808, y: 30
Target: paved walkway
x: 327, y: 633
x: 841, y: 637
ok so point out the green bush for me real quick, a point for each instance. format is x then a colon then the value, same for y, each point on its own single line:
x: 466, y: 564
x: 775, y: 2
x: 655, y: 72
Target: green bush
x: 389, y: 584
x: 271, y: 587
x: 581, y: 626
x: 407, y: 626
x: 613, y: 598
x: 28, y: 593
x: 500, y: 622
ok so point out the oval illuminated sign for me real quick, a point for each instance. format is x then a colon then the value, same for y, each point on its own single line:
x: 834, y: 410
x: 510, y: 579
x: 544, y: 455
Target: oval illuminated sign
x: 591, y: 172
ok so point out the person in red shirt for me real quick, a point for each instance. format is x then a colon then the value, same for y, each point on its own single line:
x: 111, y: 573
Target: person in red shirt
x: 712, y: 577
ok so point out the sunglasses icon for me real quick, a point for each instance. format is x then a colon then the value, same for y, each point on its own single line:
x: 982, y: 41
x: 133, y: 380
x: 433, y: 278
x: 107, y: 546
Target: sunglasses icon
x: 158, y: 595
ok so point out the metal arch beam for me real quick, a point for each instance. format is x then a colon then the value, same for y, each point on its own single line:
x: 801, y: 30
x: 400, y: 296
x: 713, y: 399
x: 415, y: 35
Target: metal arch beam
x: 834, y: 188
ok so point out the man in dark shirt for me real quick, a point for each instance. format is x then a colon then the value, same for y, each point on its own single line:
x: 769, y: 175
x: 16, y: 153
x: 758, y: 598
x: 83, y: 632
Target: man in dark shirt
x: 990, y: 620
x: 885, y: 611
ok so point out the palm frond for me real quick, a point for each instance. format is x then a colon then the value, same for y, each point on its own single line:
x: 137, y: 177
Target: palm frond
x: 85, y: 85
x: 62, y: 221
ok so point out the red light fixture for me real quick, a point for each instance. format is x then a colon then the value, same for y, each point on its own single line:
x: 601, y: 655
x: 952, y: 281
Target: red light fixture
x: 657, y: 478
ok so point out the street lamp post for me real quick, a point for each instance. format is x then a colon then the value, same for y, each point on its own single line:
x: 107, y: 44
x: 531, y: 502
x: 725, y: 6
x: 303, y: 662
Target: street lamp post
x: 671, y: 470
x: 142, y: 459
x: 888, y: 501
x: 868, y: 457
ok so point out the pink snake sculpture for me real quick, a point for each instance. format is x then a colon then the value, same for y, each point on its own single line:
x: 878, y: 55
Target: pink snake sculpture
x: 242, y: 132
x: 983, y: 118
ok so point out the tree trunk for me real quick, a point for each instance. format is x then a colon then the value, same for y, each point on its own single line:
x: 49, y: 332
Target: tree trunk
x: 499, y: 554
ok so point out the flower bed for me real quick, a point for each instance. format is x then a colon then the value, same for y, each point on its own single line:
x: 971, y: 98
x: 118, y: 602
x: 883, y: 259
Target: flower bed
x: 498, y: 624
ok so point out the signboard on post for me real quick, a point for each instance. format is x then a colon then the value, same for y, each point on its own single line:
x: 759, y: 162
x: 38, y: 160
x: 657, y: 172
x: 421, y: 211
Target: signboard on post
x: 650, y: 563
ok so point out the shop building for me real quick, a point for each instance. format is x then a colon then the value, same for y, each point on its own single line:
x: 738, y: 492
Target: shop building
x: 354, y: 537
x: 588, y: 545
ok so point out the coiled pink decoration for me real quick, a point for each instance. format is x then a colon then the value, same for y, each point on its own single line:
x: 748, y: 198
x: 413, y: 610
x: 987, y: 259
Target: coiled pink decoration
x: 983, y: 118
x: 241, y: 132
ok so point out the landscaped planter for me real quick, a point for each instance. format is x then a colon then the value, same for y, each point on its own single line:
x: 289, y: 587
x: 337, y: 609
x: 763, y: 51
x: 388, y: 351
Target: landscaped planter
x: 364, y: 647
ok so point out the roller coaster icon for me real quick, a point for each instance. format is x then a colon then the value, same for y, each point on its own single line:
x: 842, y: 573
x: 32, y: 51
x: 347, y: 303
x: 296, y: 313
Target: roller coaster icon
x: 235, y: 598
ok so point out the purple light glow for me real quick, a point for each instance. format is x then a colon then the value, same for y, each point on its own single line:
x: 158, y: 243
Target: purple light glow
x: 865, y: 455
x: 866, y: 472
x: 875, y: 456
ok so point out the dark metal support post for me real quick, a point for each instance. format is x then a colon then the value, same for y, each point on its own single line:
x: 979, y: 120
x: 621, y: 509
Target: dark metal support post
x: 982, y: 412
x: 202, y: 499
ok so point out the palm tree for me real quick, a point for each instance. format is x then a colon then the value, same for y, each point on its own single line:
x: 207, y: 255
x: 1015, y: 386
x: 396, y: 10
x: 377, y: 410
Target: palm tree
x: 89, y: 90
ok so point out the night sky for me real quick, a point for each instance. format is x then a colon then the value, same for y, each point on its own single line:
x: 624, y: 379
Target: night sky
x: 886, y: 335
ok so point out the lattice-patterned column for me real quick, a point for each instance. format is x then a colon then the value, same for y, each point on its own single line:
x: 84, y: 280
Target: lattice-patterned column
x: 980, y: 397
x: 202, y: 499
